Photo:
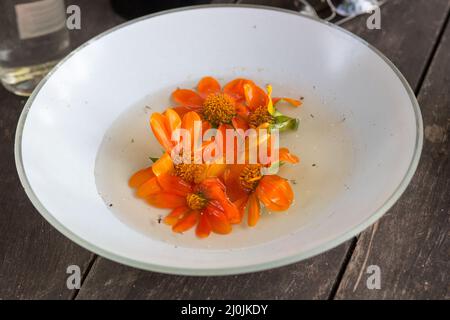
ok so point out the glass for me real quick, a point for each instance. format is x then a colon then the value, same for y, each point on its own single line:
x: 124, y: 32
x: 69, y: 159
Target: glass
x: 33, y: 38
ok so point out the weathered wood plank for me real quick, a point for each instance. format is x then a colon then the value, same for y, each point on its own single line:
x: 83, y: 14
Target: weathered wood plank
x: 33, y: 255
x: 32, y: 279
x: 411, y: 245
x: 96, y: 17
x: 286, y: 4
x: 408, y: 32
x: 311, y: 279
x: 315, y: 277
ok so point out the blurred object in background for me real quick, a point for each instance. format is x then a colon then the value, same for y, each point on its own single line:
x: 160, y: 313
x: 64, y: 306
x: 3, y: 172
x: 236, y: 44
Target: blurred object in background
x: 33, y: 38
x: 340, y: 11
x: 349, y: 8
x: 303, y: 6
x: 335, y: 11
x: 130, y: 9
x: 346, y: 10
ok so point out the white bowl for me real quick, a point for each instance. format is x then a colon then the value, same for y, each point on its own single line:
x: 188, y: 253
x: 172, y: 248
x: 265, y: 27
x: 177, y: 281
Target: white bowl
x: 360, y: 135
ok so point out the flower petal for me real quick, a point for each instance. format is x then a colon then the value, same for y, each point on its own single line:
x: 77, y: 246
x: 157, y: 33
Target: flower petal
x: 270, y: 107
x: 173, y: 217
x: 174, y: 184
x: 265, y: 199
x: 219, y: 226
x: 253, y: 210
x: 188, y: 123
x: 235, y: 88
x: 210, y: 187
x: 214, y: 189
x: 215, y: 169
x: 204, y: 227
x: 173, y: 120
x: 231, y: 180
x: 148, y: 188
x: 275, y: 193
x: 286, y: 156
x: 208, y: 85
x: 255, y: 96
x: 294, y: 102
x: 166, y: 200
x: 241, y: 204
x: 187, y: 97
x: 141, y: 177
x: 158, y: 123
x: 239, y: 123
x: 217, y: 219
x: 182, y: 110
x: 163, y: 165
x: 188, y: 221
x: 206, y: 126
x: 232, y: 212
x: 242, y: 110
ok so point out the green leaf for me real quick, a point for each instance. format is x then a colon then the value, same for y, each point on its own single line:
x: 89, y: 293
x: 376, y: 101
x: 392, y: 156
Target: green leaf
x: 285, y: 123
x: 154, y: 159
x: 277, y: 113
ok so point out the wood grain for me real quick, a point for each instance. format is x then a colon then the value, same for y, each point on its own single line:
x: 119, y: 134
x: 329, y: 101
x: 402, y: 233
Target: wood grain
x: 285, y: 4
x: 311, y: 279
x: 411, y: 245
x: 33, y: 255
x: 409, y: 31
x: 96, y: 17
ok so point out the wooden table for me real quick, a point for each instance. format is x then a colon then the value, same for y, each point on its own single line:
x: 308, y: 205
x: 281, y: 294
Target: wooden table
x: 410, y: 243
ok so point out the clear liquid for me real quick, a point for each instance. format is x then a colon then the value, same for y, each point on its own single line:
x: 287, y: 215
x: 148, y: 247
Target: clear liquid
x: 24, y: 62
x: 322, y: 142
x: 23, y: 80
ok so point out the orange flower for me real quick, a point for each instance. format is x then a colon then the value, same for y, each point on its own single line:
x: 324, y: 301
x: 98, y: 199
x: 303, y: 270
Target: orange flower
x: 220, y: 106
x: 247, y: 187
x: 163, y: 126
x: 212, y: 196
x: 205, y: 204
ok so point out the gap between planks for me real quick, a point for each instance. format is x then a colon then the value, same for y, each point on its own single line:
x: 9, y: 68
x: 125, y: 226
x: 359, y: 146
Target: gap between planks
x: 432, y: 54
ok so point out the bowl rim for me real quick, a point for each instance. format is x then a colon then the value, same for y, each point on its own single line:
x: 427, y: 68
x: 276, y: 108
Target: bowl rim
x: 377, y: 214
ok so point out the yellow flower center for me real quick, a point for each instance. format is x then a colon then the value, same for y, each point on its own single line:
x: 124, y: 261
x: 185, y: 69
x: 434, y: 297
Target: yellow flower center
x: 190, y: 172
x: 259, y: 116
x: 195, y: 201
x: 218, y: 108
x: 250, y: 176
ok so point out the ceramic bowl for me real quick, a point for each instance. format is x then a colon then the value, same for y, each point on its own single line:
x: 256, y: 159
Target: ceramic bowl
x: 85, y: 130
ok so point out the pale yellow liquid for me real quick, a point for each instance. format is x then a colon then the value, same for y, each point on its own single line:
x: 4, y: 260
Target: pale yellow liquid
x: 322, y: 142
x: 23, y: 80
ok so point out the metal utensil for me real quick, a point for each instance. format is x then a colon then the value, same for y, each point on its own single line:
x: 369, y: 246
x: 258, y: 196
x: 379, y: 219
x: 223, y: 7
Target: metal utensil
x: 345, y: 10
x: 305, y: 8
x: 350, y: 8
